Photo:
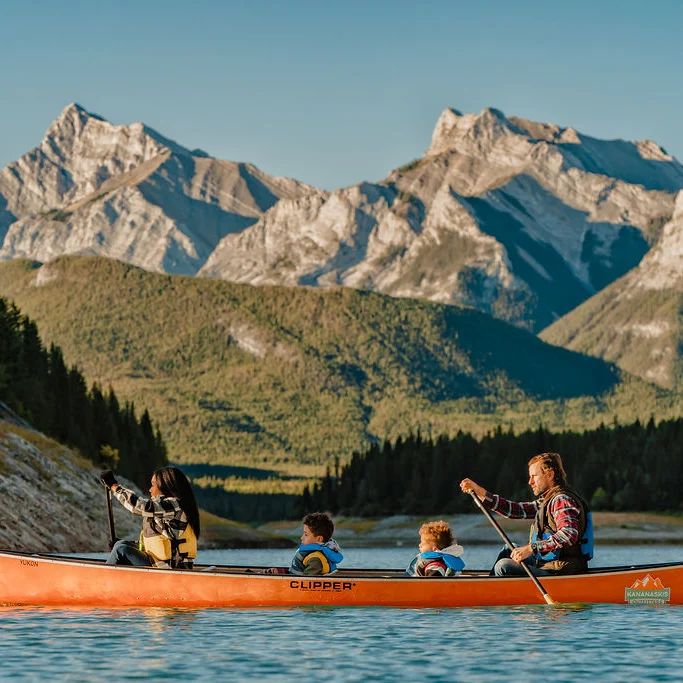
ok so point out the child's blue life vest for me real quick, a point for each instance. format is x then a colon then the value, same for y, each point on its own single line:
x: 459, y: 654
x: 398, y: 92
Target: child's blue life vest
x: 328, y: 554
x: 454, y: 563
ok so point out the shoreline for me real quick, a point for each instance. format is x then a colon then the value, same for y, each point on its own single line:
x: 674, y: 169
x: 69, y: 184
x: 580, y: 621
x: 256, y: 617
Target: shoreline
x: 611, y: 528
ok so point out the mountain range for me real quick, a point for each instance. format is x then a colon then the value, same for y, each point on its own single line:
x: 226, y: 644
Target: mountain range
x: 129, y: 193
x: 540, y: 226
x: 519, y: 219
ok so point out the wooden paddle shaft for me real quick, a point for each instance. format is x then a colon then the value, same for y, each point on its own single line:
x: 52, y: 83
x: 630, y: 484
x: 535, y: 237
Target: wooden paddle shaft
x: 506, y: 539
x: 110, y: 517
x: 511, y: 546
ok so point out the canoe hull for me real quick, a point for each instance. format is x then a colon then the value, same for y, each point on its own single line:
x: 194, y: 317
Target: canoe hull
x: 42, y: 580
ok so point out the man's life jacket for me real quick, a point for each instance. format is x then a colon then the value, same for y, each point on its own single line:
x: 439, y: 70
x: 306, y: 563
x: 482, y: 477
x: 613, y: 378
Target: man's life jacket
x: 162, y: 549
x: 328, y: 554
x: 451, y: 560
x: 544, y: 521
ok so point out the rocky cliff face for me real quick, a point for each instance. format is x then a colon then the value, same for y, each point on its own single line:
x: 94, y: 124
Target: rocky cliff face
x: 52, y: 500
x: 636, y: 322
x: 519, y: 219
x: 128, y: 193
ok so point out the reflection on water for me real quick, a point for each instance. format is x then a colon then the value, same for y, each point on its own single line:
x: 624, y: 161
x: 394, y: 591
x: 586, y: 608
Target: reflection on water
x: 567, y: 642
x: 557, y: 612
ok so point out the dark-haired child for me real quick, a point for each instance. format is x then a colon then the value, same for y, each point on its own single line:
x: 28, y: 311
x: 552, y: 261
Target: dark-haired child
x: 318, y: 553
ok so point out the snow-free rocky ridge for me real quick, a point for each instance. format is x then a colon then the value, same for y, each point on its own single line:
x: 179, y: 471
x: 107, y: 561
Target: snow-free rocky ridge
x: 129, y: 193
x: 519, y: 219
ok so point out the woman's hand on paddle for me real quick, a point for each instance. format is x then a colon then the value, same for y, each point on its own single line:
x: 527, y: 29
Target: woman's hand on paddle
x: 469, y: 486
x: 521, y: 553
x: 108, y: 479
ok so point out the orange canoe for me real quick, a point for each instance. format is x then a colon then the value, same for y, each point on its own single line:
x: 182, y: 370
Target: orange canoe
x: 65, y: 581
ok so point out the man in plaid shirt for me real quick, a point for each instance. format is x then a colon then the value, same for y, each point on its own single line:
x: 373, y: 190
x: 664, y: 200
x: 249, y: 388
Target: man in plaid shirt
x: 560, y: 521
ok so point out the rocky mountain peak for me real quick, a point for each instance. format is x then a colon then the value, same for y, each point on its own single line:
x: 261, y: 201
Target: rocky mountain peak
x: 127, y: 192
x: 73, y: 117
x: 452, y: 126
x: 79, y: 132
x: 79, y: 153
x: 445, y: 125
x: 649, y: 149
x: 491, y: 140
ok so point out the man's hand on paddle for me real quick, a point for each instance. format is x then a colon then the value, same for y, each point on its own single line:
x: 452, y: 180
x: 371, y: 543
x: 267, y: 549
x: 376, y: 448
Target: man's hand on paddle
x: 469, y: 486
x: 520, y: 554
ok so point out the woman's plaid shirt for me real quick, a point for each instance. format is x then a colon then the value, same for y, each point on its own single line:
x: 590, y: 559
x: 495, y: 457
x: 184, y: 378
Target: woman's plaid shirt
x: 160, y: 515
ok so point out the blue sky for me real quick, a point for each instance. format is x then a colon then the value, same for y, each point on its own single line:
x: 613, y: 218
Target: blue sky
x: 333, y: 93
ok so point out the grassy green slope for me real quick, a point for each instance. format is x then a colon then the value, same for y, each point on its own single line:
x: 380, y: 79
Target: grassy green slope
x: 283, y: 378
x: 638, y: 329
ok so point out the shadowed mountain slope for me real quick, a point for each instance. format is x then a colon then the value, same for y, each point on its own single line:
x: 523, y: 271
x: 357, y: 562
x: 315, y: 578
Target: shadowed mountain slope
x: 636, y: 322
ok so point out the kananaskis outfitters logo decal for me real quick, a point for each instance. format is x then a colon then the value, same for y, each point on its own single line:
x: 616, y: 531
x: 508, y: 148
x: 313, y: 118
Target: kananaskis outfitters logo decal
x: 647, y: 591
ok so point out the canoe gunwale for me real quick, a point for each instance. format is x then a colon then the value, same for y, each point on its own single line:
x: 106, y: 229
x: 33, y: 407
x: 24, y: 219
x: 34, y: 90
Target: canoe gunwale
x: 351, y: 572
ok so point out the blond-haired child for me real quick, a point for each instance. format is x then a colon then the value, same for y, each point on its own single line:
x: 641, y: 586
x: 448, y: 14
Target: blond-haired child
x: 439, y: 554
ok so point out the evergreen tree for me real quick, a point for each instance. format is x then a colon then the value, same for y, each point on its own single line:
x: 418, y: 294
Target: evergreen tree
x: 37, y: 385
x: 623, y: 467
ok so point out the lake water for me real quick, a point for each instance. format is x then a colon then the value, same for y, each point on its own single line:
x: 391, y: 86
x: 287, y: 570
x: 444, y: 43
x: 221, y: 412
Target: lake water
x: 603, y: 642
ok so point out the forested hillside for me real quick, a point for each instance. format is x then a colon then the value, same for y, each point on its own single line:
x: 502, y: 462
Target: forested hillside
x: 243, y: 375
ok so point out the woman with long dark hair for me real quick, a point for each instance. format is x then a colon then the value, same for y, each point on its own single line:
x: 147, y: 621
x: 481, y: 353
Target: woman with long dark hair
x: 170, y: 522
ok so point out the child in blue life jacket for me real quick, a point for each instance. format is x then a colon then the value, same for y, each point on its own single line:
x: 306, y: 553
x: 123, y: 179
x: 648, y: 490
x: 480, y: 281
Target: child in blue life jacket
x: 318, y: 553
x: 439, y: 553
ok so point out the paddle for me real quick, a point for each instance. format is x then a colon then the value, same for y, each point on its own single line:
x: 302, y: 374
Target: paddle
x: 110, y: 516
x: 511, y: 546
